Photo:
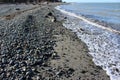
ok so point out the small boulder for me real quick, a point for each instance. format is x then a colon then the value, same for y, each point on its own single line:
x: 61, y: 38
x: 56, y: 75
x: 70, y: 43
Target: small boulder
x: 51, y: 17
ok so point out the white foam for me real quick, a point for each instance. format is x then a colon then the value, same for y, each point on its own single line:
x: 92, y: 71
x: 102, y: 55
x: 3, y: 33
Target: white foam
x: 89, y: 22
x: 103, y: 46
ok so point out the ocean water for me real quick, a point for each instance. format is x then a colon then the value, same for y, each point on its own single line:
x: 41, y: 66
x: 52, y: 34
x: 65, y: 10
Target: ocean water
x: 108, y: 13
x: 98, y: 25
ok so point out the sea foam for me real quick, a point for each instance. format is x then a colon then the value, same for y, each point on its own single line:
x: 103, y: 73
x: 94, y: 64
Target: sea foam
x: 103, y: 42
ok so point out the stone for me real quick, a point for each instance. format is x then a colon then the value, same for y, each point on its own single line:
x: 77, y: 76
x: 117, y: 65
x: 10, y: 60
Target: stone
x: 17, y: 8
x: 99, y: 67
x: 38, y: 78
x: 51, y: 17
x: 50, y: 14
x: 37, y: 62
x: 18, y: 71
x: 8, y: 74
x: 23, y: 64
x: 29, y: 72
x: 117, y: 70
x: 60, y: 73
x: 11, y: 62
x: 4, y: 61
x: 82, y: 29
x: 16, y: 65
x: 22, y: 78
x: 18, y: 48
x: 55, y: 56
x: 24, y: 68
x: 70, y: 70
x: 44, y: 64
x: 83, y: 71
x: 2, y: 75
x: 65, y: 17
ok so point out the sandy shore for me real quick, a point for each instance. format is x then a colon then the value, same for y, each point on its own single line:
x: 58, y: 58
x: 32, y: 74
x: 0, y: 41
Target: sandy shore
x: 35, y: 45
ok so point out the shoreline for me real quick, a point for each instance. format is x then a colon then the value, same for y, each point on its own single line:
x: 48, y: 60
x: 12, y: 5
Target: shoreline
x: 89, y: 21
x: 38, y: 46
x: 92, y: 35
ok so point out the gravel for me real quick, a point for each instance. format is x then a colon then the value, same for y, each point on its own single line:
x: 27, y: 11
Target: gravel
x: 28, y: 48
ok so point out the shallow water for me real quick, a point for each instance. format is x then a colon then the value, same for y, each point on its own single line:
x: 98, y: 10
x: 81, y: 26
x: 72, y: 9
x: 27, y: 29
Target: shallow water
x: 108, y: 13
x: 104, y: 45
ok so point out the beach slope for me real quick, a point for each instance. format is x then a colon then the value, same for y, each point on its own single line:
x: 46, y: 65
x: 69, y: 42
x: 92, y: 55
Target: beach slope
x: 35, y: 45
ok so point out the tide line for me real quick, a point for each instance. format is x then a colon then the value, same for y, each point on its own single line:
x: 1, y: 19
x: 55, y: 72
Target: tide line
x: 85, y: 20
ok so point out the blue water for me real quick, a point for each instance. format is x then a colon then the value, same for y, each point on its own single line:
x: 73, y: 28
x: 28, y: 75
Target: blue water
x: 108, y: 13
x: 103, y: 44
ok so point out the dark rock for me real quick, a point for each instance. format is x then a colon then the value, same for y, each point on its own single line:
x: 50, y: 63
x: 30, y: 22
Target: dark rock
x: 99, y: 67
x: 11, y: 62
x: 17, y: 8
x: 22, y: 78
x: 16, y: 65
x: 18, y: 48
x: 65, y: 17
x: 51, y: 17
x: 4, y: 61
x: 30, y: 17
x: 29, y: 72
x: 82, y: 29
x: 50, y: 14
x: 19, y: 51
x: 61, y: 73
x: 117, y: 70
x: 18, y: 71
x: 44, y: 64
x: 31, y: 52
x: 23, y: 64
x: 83, y: 71
x: 37, y: 62
x: 70, y: 71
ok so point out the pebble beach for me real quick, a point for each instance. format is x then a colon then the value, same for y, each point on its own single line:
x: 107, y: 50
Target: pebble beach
x: 35, y: 45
